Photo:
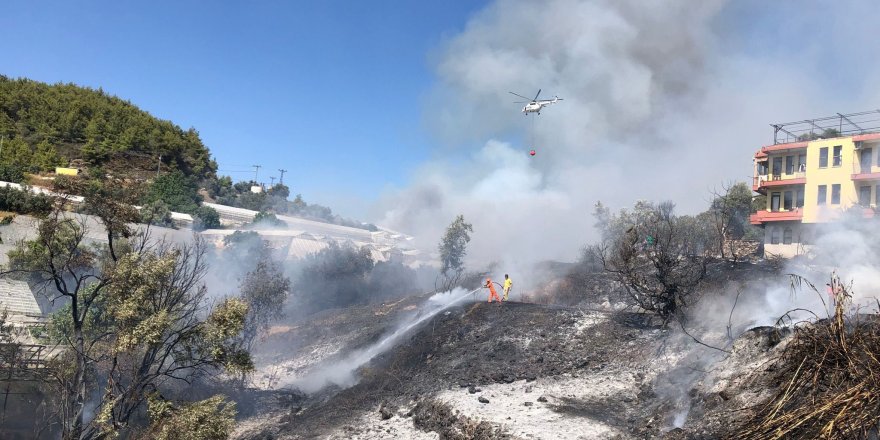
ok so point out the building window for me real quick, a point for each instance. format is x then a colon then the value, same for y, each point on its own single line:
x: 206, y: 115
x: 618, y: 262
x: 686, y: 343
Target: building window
x: 802, y: 163
x: 823, y: 195
x: 799, y: 198
x: 865, y: 160
x: 837, y: 158
x: 835, y: 194
x: 789, y: 164
x: 777, y: 167
x: 774, y: 235
x: 823, y: 157
x: 787, y: 199
x: 786, y: 236
x: 774, y: 201
x: 865, y: 196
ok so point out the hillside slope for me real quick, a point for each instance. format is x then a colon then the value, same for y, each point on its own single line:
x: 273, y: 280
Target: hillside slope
x: 513, y: 371
x: 481, y: 371
x: 46, y: 125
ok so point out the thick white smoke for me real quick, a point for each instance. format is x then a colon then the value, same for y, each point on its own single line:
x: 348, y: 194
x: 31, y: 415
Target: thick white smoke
x: 662, y: 101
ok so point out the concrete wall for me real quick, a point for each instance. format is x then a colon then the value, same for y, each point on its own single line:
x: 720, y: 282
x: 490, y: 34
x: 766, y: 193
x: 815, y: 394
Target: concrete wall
x: 801, y: 236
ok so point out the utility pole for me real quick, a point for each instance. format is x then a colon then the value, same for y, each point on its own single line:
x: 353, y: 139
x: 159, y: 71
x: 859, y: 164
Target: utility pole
x: 272, y: 181
x: 281, y: 180
x: 159, y: 166
x: 257, y: 173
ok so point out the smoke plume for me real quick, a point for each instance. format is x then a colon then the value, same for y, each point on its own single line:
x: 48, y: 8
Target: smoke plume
x: 662, y: 102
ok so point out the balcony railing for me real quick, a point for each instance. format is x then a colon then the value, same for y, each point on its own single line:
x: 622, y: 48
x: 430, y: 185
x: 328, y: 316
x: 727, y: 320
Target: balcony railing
x: 759, y: 217
x: 864, y: 171
x: 763, y: 181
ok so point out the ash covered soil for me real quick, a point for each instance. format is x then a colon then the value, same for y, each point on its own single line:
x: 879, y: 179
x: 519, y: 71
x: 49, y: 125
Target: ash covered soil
x: 509, y: 371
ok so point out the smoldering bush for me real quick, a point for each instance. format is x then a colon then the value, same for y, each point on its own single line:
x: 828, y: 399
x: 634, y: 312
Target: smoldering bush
x: 340, y: 276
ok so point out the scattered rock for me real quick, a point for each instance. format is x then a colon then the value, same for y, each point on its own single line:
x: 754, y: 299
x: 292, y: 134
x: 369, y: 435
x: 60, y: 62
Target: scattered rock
x: 472, y: 389
x: 529, y: 389
x: 528, y: 404
x: 482, y: 399
x: 542, y: 399
x: 385, y: 412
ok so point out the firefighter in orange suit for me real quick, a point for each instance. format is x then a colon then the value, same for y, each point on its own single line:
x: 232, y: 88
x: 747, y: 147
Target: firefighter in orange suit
x: 492, y: 292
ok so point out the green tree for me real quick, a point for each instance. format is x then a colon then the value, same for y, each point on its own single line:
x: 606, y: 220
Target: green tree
x: 17, y: 152
x: 209, y: 419
x: 176, y: 190
x: 730, y: 210
x: 136, y: 317
x: 24, y: 202
x: 96, y: 127
x: 279, y: 191
x: 157, y: 213
x: 11, y: 173
x: 46, y: 157
x: 206, y: 217
x: 264, y: 290
x: 453, y: 248
x: 264, y: 218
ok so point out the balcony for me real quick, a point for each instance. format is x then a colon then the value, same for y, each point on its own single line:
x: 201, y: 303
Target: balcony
x: 760, y: 183
x: 776, y: 216
x: 863, y: 172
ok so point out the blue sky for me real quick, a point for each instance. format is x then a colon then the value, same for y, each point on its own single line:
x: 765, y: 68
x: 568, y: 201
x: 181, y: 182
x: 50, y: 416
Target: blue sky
x: 332, y: 91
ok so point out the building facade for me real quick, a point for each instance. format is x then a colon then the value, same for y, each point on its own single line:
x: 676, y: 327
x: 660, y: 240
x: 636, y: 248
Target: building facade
x: 811, y: 182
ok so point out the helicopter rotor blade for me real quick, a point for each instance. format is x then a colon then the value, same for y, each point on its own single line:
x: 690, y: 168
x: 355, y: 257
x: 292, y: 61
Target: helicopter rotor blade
x: 536, y: 96
x: 521, y: 96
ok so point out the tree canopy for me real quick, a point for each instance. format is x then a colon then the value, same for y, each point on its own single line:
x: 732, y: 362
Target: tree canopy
x: 45, y: 125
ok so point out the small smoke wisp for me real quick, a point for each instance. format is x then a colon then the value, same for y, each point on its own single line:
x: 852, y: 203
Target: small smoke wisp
x: 343, y: 373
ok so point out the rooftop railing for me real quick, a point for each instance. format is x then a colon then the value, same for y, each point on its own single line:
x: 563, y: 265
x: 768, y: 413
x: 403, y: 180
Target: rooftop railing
x: 827, y: 127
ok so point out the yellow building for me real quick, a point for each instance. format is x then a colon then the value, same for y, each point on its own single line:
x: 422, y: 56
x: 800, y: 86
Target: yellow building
x: 814, y: 180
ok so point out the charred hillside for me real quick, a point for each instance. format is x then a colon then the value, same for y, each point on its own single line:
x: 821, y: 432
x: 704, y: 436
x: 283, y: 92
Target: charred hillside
x: 589, y: 369
x: 483, y: 353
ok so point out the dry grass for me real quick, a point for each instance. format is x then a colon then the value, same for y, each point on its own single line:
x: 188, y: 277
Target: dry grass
x: 829, y: 378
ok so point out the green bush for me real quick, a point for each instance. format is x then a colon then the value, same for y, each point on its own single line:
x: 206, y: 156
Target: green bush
x: 178, y: 191
x: 24, y: 202
x: 157, y: 213
x: 206, y: 217
x: 11, y: 173
x: 268, y: 219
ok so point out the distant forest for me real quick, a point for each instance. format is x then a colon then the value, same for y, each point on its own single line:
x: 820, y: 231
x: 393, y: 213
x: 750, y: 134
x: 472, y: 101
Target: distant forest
x: 43, y: 126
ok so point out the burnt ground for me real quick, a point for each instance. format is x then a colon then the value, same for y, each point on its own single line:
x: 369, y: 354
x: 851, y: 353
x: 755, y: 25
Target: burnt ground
x: 479, y: 345
x: 517, y: 370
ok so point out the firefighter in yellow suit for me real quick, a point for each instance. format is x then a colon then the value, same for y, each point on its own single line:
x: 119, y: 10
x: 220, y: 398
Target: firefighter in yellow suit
x: 508, y: 283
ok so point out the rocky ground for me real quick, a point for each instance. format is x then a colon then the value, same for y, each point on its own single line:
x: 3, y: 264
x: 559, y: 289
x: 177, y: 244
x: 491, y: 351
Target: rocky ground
x: 517, y: 370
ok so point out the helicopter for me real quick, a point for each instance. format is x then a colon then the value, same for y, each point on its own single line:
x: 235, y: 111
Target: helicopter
x: 535, y: 105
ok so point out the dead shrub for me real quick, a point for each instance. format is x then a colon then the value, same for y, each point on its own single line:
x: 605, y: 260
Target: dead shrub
x: 829, y: 375
x: 431, y: 415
